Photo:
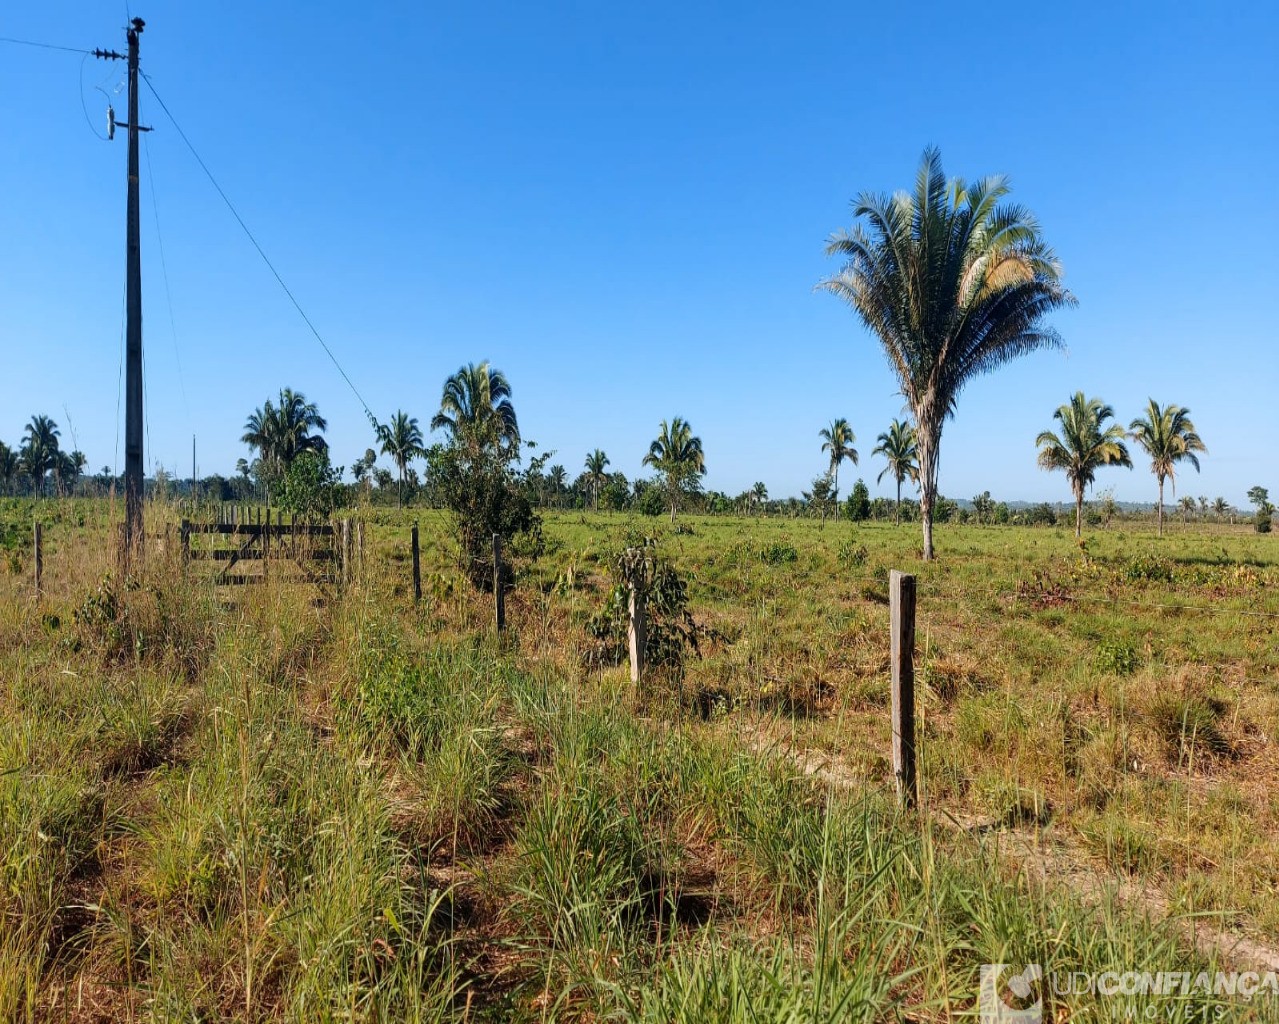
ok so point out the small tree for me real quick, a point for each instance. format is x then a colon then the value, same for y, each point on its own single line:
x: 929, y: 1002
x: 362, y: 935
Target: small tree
x: 678, y: 456
x: 1260, y: 497
x: 311, y: 487
x: 1085, y: 445
x: 858, y: 505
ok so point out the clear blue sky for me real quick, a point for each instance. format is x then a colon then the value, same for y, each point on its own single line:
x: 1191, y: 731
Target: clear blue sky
x: 624, y: 207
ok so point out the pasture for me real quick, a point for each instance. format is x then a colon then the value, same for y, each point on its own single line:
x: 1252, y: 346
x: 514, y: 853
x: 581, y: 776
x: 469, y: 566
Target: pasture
x: 263, y: 803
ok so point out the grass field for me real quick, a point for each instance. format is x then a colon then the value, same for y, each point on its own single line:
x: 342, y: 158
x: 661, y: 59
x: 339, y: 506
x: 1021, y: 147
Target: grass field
x: 251, y: 804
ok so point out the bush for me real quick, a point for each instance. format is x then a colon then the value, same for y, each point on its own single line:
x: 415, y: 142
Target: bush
x: 310, y: 488
x: 1117, y: 657
x: 1261, y: 522
x: 652, y: 502
x: 475, y: 483
x: 857, y: 507
x: 778, y: 554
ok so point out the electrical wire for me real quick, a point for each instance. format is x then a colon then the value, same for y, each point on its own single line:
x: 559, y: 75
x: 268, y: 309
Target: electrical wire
x: 265, y: 259
x: 85, y: 107
x: 168, y: 295
x: 44, y: 46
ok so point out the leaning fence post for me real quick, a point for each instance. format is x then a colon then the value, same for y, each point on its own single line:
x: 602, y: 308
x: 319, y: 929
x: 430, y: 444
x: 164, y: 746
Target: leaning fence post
x: 39, y: 559
x: 636, y: 633
x: 417, y: 568
x: 499, y: 592
x: 901, y: 609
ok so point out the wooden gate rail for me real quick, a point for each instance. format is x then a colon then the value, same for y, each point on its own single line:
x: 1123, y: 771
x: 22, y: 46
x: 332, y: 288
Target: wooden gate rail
x: 264, y: 542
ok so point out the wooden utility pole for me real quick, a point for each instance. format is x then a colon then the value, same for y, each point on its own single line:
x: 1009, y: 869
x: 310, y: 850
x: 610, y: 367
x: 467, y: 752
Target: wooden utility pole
x: 133, y: 307
x: 901, y: 609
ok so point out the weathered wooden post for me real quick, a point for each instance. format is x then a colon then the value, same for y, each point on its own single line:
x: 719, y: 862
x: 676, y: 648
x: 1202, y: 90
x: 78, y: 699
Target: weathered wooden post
x: 901, y: 609
x: 359, y: 544
x: 417, y: 568
x: 185, y: 534
x: 346, y: 552
x: 636, y: 633
x: 499, y: 590
x: 39, y: 559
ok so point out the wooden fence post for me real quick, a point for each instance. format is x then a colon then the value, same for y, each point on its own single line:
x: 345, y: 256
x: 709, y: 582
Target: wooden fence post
x: 346, y: 552
x: 39, y: 559
x: 186, y: 542
x: 499, y: 590
x: 901, y: 609
x: 636, y: 634
x: 417, y: 568
x: 359, y: 545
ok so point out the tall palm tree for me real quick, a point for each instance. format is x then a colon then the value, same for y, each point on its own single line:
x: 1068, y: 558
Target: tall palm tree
x: 1220, y: 507
x: 1187, y: 510
x: 898, y: 447
x: 558, y: 479
x: 260, y: 431
x: 9, y: 464
x: 678, y: 456
x: 953, y: 285
x: 296, y: 418
x: 476, y: 408
x: 759, y: 493
x: 40, y: 448
x: 1168, y: 437
x: 67, y: 468
x: 595, y: 475
x: 838, y: 439
x: 402, y: 440
x: 1084, y: 446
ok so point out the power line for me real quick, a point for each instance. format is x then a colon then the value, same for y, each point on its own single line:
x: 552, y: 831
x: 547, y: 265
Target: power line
x: 168, y: 294
x: 43, y: 46
x: 265, y: 259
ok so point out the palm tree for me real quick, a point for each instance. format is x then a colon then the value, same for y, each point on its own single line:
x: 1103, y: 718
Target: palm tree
x: 1220, y: 507
x: 595, y: 475
x: 1187, y: 510
x: 402, y: 440
x: 1168, y: 437
x: 677, y: 455
x: 759, y: 493
x: 476, y: 408
x: 40, y: 448
x: 295, y: 419
x: 1085, y: 445
x: 838, y: 439
x: 898, y: 447
x: 953, y: 284
x: 280, y: 433
x: 67, y: 467
x: 260, y: 433
x: 557, y: 478
x: 9, y: 465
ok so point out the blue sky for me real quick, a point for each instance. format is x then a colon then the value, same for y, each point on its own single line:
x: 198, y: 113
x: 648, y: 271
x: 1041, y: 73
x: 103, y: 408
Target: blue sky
x: 624, y: 207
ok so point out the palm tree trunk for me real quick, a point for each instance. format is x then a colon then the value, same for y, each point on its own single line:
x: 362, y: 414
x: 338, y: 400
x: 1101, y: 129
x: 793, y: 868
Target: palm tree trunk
x: 897, y: 509
x: 1079, y: 513
x: 927, y: 489
x: 399, y: 494
x: 1160, y: 511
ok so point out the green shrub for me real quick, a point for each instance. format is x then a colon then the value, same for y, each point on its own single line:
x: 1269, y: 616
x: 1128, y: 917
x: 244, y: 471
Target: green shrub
x: 1117, y: 657
x: 778, y: 554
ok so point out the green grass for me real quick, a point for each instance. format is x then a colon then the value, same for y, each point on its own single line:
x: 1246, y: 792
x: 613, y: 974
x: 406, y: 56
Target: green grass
x: 247, y: 806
